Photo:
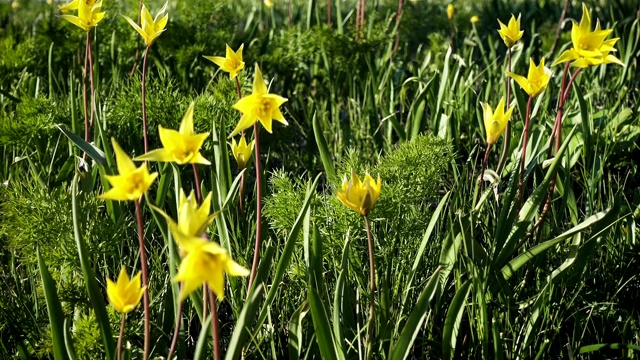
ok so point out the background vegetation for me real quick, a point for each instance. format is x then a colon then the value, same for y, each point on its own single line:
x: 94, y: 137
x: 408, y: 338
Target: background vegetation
x: 396, y: 103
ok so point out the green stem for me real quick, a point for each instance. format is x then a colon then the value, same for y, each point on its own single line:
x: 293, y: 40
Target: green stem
x: 256, y: 252
x: 145, y: 281
x: 523, y: 157
x: 484, y: 167
x: 215, y: 326
x: 372, y: 290
x: 507, y: 129
x: 144, y: 100
x: 119, y: 352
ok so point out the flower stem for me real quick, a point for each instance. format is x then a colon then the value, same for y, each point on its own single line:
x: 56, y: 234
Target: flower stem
x: 196, y: 178
x: 124, y: 317
x: 145, y: 281
x: 557, y: 131
x: 507, y: 129
x: 215, y: 327
x: 523, y: 157
x: 84, y: 91
x: 329, y: 13
x: 241, y: 188
x: 144, y: 100
x: 560, y: 23
x: 93, y: 93
x: 484, y: 167
x: 176, y: 331
x: 256, y: 252
x: 372, y: 289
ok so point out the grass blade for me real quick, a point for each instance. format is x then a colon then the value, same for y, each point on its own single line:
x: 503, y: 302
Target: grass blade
x: 56, y: 316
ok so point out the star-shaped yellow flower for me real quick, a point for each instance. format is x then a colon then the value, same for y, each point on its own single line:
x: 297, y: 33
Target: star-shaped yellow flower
x: 89, y: 14
x: 474, y: 19
x: 512, y: 33
x: 181, y: 147
x: 131, y: 182
x: 360, y: 195
x: 537, y: 79
x: 231, y: 63
x: 204, y: 261
x: 125, y: 295
x: 193, y: 220
x: 589, y: 47
x: 495, y: 123
x: 260, y: 105
x: 241, y: 151
x: 151, y: 28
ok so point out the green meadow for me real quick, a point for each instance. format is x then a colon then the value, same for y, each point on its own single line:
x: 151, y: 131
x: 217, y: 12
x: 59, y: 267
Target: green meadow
x: 319, y: 179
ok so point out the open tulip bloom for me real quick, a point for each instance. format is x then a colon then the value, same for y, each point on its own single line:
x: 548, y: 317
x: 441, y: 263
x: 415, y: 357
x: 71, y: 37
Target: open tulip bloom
x: 131, y: 182
x: 536, y: 81
x: 151, y: 27
x: 125, y: 294
x: 89, y: 14
x: 510, y: 34
x: 259, y: 106
x: 589, y: 47
x: 358, y: 195
x: 203, y: 262
x: 242, y: 151
x: 495, y: 122
x: 182, y: 146
x: 231, y: 63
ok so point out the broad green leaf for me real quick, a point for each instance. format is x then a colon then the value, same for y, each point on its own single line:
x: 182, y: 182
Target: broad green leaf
x: 413, y: 325
x: 56, y: 316
x: 95, y: 294
x: 241, y: 330
x: 96, y: 154
x: 452, y: 322
x: 325, y: 154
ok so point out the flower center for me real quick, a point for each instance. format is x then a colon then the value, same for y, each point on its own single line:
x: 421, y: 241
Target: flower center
x: 264, y: 108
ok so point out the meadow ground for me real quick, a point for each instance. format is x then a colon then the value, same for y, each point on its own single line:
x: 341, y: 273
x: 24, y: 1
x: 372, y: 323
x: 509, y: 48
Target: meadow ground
x: 335, y: 179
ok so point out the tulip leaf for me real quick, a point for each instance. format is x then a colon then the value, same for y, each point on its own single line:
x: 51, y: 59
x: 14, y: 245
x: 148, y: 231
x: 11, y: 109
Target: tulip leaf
x: 402, y: 347
x: 68, y: 341
x: 453, y: 320
x: 56, y: 316
x: 96, y: 154
x: 323, y: 148
x: 241, y: 331
x: 287, y: 252
x: 203, y: 338
x: 95, y: 295
x: 295, y: 331
x: 324, y: 335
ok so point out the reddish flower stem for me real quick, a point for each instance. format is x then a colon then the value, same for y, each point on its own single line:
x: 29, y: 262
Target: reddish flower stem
x: 145, y: 281
x: 329, y: 13
x: 372, y: 289
x: 176, y: 331
x: 84, y: 91
x: 523, y: 157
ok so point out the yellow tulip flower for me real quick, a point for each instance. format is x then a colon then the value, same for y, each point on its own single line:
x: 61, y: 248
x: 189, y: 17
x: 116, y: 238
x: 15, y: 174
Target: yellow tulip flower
x: 231, y: 63
x: 181, y: 147
x: 151, y: 27
x: 268, y: 3
x: 125, y: 295
x: 204, y: 261
x: 495, y: 123
x: 474, y: 19
x: 193, y: 220
x: 358, y: 195
x: 73, y: 5
x: 89, y: 14
x: 15, y: 5
x: 131, y: 182
x: 241, y: 151
x: 537, y: 79
x: 450, y: 11
x: 512, y: 33
x: 589, y: 47
x: 260, y: 105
